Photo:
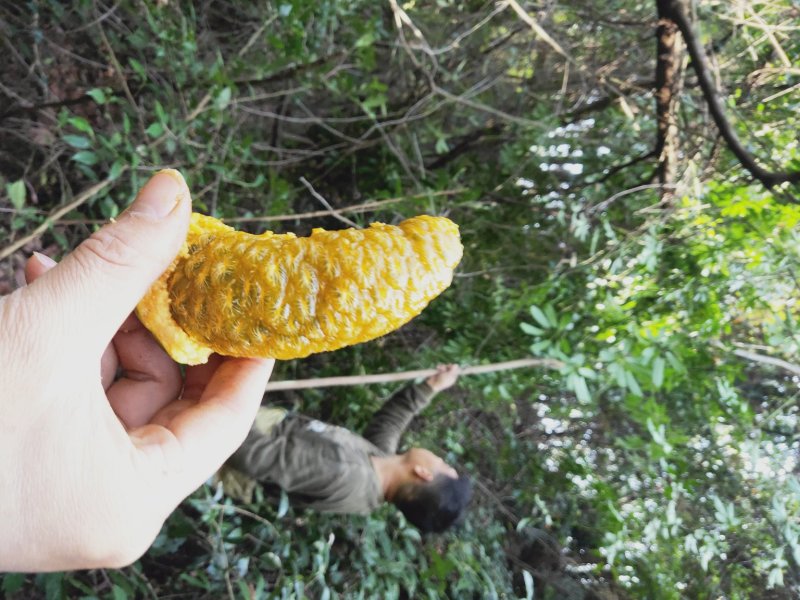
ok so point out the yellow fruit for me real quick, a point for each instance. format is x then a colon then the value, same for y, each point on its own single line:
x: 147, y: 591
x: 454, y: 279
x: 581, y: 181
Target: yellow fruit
x: 280, y: 296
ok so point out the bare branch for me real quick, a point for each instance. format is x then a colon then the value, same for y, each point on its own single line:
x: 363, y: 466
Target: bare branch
x: 768, y: 360
x: 547, y: 363
x: 334, y: 213
x: 703, y: 70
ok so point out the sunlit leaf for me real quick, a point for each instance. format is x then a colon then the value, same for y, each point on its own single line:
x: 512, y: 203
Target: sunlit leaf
x: 658, y: 372
x: 529, y: 588
x: 540, y: 317
x: 530, y: 329
x: 16, y: 193
x: 98, y: 95
x: 283, y: 506
x: 77, y: 141
x: 85, y: 157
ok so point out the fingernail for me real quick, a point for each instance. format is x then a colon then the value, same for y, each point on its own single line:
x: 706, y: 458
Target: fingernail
x: 44, y: 260
x: 161, y: 194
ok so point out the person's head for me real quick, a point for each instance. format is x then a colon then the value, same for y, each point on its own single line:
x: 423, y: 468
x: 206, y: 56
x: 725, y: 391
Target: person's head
x: 434, y: 497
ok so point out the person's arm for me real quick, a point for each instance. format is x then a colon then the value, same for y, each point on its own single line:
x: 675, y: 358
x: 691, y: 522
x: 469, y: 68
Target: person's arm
x: 388, y: 424
x: 101, y: 433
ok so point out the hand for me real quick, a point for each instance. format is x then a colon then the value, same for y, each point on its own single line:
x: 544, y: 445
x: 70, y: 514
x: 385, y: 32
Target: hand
x: 100, y: 435
x: 446, y: 376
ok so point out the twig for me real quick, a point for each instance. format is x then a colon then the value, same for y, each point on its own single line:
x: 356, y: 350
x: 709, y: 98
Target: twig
x: 601, y: 206
x: 455, y: 43
x: 703, y: 70
x: 770, y: 33
x: 56, y: 215
x: 402, y: 19
x: 120, y: 72
x: 267, y: 22
x: 296, y: 384
x: 357, y: 208
x: 539, y: 30
x: 768, y: 360
x: 334, y: 213
x: 628, y: 163
x: 243, y: 512
x: 484, y: 108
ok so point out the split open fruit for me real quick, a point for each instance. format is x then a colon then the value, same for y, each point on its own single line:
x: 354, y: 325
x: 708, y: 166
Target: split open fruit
x: 280, y: 296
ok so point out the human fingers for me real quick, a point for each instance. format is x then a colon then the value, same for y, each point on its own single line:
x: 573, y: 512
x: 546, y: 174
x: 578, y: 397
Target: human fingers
x: 196, y: 440
x: 101, y: 282
x: 37, y: 265
x: 149, y: 378
x: 198, y: 377
x: 195, y: 382
x: 109, y: 363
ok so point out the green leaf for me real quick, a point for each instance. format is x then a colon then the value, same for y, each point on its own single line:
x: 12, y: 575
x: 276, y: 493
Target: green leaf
x: 85, y: 157
x: 675, y: 363
x: 658, y: 372
x: 16, y: 193
x: 537, y: 314
x: 116, y: 169
x: 376, y: 101
x: 223, y: 98
x: 581, y: 389
x: 138, y: 68
x: 540, y: 346
x: 81, y: 124
x: 87, y: 171
x: 529, y: 589
x: 285, y: 10
x: 154, y: 130
x: 775, y: 578
x: 552, y: 317
x: 13, y: 582
x: 81, y: 142
x: 118, y: 593
x: 366, y: 40
x: 160, y: 112
x: 618, y: 371
x: 632, y: 384
x: 98, y: 95
x: 283, y: 506
x: 53, y: 589
x: 530, y: 329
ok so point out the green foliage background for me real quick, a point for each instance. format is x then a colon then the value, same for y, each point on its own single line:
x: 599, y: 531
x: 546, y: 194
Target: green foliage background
x: 662, y: 458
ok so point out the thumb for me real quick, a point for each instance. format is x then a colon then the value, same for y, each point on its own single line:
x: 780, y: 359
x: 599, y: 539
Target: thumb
x: 100, y: 283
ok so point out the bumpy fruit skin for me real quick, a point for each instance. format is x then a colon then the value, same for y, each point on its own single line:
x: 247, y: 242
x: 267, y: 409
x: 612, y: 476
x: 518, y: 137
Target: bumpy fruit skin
x: 280, y: 296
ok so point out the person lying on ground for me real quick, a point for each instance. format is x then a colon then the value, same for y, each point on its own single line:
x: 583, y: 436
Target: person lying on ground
x: 331, y: 469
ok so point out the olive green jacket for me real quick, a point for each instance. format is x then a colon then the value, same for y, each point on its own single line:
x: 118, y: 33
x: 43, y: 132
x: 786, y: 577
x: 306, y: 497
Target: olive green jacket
x: 325, y: 467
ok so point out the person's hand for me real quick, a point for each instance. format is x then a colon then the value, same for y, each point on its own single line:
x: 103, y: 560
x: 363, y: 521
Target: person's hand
x: 101, y: 436
x: 446, y: 376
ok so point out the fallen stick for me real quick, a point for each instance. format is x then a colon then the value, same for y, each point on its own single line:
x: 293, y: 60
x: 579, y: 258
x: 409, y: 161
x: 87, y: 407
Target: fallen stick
x: 297, y: 384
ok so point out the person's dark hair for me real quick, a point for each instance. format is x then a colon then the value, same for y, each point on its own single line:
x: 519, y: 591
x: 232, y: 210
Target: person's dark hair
x: 435, y: 505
